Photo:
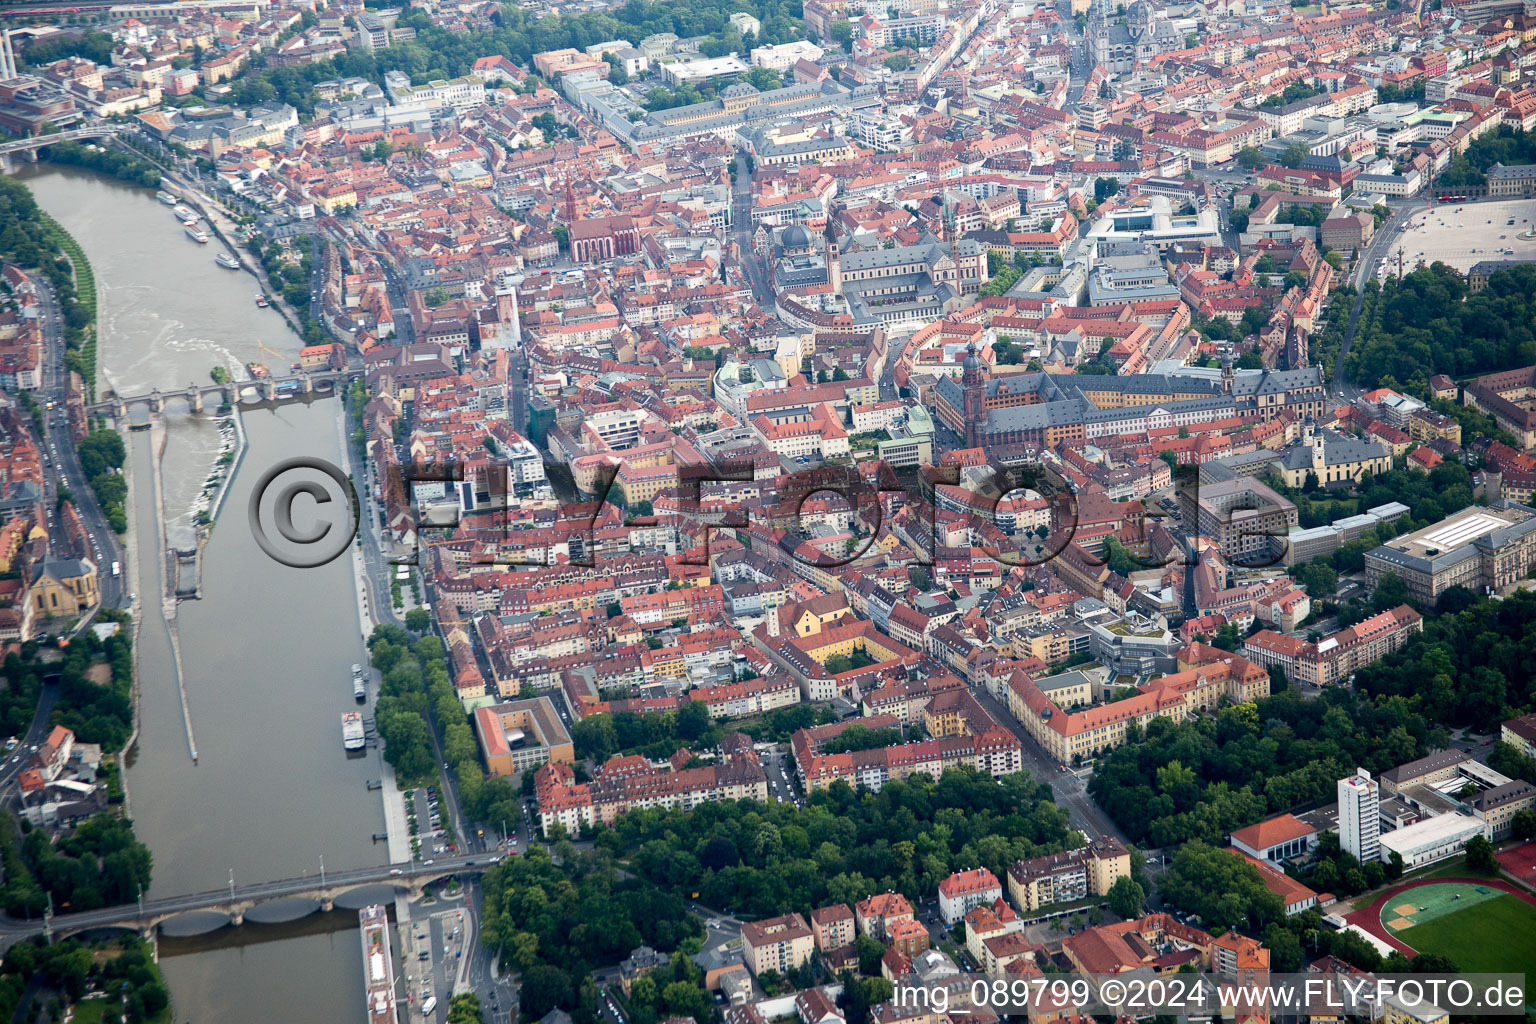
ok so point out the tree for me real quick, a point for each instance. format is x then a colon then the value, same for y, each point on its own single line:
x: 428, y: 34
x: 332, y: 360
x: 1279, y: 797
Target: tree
x: 1224, y: 890
x: 465, y: 1009
x: 898, y: 62
x: 617, y: 73
x: 1390, y: 593
x: 1126, y: 897
x: 1170, y: 457
x: 544, y: 988
x: 418, y: 620
x: 870, y: 951
x: 1294, y: 155
x: 1480, y: 855
x: 842, y: 34
x: 1523, y: 824
x: 918, y: 576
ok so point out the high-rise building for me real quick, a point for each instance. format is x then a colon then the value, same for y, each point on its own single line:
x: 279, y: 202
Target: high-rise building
x: 1360, y: 816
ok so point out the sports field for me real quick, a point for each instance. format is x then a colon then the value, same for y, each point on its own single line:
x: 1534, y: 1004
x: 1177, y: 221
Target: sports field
x: 1479, y: 927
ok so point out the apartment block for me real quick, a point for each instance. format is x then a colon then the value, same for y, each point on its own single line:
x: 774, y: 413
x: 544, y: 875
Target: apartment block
x: 778, y: 944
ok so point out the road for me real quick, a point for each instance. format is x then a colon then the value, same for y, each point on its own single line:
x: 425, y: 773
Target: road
x: 1070, y: 788
x: 63, y: 463
x: 17, y: 760
x: 12, y: 930
x: 498, y: 994
x: 741, y: 225
x: 779, y: 766
x: 894, y: 350
x: 518, y: 375
x: 377, y: 575
x: 1380, y: 243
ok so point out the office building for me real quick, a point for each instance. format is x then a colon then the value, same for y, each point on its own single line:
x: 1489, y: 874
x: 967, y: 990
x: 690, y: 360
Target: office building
x: 522, y: 734
x: 1477, y: 548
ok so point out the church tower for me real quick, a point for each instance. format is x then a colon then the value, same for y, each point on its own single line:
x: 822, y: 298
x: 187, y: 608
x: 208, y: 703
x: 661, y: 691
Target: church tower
x: 973, y: 382
x: 834, y: 263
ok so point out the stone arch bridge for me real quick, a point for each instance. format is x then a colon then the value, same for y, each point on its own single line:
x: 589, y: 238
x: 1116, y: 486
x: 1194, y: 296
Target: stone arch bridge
x: 237, y: 900
x: 117, y: 406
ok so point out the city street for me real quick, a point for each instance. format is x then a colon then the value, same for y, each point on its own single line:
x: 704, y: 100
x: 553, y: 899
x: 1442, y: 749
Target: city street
x: 742, y: 229
x: 1070, y: 787
x: 64, y: 463
x: 16, y: 760
x: 1379, y: 245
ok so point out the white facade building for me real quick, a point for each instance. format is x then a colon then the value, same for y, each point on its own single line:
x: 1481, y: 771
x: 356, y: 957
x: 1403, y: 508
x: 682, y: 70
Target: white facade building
x: 1425, y: 842
x: 1360, y: 816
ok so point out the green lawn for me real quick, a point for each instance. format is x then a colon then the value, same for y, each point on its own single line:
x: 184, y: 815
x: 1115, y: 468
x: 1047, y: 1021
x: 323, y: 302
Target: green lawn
x: 1453, y: 868
x: 89, y: 1011
x: 1498, y: 935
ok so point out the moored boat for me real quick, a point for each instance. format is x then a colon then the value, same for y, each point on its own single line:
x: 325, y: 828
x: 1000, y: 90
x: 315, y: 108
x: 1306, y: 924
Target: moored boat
x: 352, y: 735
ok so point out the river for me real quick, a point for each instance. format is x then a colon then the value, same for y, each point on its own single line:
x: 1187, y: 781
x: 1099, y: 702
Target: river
x: 266, y: 651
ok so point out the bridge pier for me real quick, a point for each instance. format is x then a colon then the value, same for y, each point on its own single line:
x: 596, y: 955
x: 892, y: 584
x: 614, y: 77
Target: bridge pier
x: 156, y: 403
x: 268, y: 389
x: 308, y: 385
x: 237, y: 916
x: 327, y: 903
x: 195, y: 398
x: 230, y: 395
x: 119, y: 409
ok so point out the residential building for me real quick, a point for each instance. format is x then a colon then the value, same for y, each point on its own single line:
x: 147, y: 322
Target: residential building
x: 963, y: 891
x: 779, y: 944
x: 1360, y: 816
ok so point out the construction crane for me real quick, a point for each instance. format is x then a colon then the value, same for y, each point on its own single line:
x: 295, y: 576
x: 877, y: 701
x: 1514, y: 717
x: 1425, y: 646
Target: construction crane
x: 266, y: 371
x: 353, y: 250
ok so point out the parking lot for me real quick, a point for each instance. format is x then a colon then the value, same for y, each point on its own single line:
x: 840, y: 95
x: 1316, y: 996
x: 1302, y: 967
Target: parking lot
x: 1461, y: 234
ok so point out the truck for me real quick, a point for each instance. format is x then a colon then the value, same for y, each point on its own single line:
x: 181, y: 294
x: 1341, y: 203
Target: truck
x: 428, y: 1006
x: 117, y: 568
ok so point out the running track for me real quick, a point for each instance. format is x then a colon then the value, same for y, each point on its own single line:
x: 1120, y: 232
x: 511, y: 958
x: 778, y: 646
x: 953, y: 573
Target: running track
x: 1369, y: 919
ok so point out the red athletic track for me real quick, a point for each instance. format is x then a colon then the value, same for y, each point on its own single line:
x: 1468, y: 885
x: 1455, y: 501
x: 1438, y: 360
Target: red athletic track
x: 1369, y: 919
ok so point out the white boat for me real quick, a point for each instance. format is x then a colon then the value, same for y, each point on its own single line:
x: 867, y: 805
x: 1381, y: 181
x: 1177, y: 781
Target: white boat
x: 166, y: 198
x: 186, y: 213
x: 352, y: 735
x: 227, y: 261
x: 197, y: 234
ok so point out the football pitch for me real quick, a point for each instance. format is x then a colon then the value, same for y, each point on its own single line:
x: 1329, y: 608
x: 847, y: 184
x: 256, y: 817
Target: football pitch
x: 1493, y: 934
